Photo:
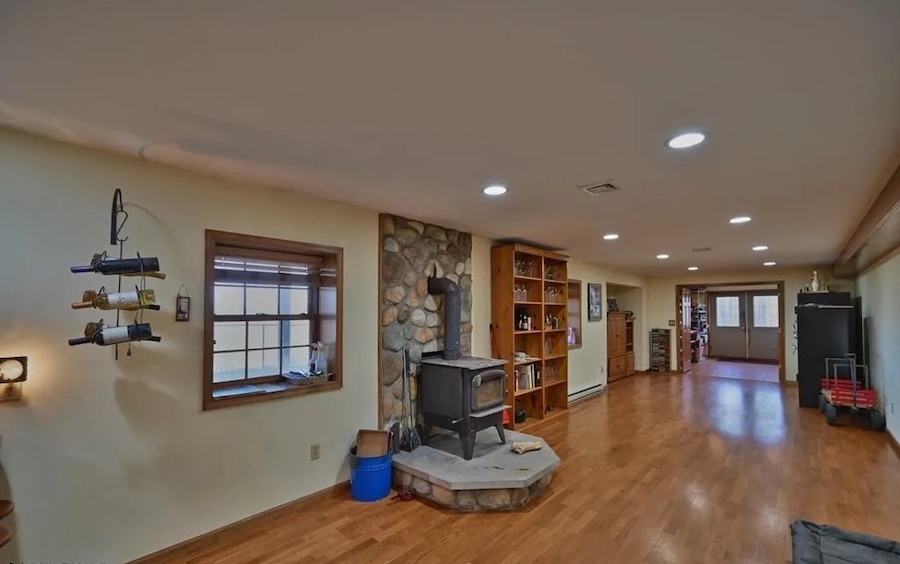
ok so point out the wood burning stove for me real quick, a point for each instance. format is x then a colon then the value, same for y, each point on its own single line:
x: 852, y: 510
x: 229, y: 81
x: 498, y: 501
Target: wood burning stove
x: 462, y: 394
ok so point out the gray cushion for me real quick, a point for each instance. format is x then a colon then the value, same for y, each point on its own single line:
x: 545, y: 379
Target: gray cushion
x: 824, y: 544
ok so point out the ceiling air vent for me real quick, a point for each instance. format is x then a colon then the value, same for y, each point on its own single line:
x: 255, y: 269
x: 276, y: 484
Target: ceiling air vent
x: 597, y: 189
x: 701, y: 250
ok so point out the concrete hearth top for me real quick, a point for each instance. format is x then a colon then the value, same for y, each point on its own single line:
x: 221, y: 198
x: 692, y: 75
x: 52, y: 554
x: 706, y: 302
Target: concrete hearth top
x: 466, y: 362
x: 494, y: 465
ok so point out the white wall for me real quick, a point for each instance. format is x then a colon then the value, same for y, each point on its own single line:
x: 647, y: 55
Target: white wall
x: 880, y: 293
x: 107, y: 461
x: 587, y: 365
x: 481, y: 296
x: 661, y: 301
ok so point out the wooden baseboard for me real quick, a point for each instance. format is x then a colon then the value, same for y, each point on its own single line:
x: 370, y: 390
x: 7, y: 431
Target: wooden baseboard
x: 291, y: 505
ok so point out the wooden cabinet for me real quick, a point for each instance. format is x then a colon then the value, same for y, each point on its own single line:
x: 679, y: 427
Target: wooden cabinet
x: 529, y: 307
x: 619, y: 345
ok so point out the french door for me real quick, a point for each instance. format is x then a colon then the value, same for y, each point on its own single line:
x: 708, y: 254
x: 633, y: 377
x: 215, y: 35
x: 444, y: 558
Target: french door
x: 744, y: 325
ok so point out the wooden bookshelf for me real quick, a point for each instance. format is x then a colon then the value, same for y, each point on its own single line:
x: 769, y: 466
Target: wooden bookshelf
x: 531, y: 282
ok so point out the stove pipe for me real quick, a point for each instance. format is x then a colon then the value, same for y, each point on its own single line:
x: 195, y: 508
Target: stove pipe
x: 452, y: 314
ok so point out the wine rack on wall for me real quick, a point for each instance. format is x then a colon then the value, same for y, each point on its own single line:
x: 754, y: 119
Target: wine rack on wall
x: 139, y: 300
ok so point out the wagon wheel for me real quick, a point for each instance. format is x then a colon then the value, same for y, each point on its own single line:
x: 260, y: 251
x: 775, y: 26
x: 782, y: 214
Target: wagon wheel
x: 876, y: 420
x: 831, y: 414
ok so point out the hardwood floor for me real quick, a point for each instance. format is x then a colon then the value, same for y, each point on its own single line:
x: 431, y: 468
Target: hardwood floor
x: 662, y: 468
x: 756, y: 371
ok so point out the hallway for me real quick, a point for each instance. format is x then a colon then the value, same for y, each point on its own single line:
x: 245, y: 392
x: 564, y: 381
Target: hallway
x: 662, y: 468
x: 735, y: 370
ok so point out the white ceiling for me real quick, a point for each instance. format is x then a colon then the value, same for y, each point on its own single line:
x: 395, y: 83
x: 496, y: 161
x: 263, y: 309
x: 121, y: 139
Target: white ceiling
x: 411, y: 107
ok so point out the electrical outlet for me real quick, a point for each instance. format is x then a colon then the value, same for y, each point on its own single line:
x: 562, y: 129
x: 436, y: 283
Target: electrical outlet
x: 314, y: 451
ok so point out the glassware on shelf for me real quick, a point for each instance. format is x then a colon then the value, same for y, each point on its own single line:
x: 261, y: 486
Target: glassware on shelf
x: 553, y: 295
x: 524, y: 267
x: 551, y: 372
x: 520, y: 293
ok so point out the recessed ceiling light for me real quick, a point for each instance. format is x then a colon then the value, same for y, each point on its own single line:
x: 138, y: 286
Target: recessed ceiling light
x: 685, y: 140
x: 760, y: 248
x: 693, y: 268
x: 611, y: 236
x: 494, y: 190
x: 662, y: 256
x: 769, y: 263
x: 740, y: 219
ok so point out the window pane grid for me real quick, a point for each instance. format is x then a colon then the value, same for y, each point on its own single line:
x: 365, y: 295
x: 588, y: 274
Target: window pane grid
x: 274, y: 319
x: 227, y: 367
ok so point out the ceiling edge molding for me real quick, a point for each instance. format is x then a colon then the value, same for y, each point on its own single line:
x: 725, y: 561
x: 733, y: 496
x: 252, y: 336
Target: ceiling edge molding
x: 877, y: 235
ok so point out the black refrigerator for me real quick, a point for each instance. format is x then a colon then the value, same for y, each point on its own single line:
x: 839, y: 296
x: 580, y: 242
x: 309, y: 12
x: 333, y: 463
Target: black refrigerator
x: 826, y: 328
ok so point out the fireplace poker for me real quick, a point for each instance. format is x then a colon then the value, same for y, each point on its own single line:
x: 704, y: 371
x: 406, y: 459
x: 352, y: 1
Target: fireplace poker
x: 411, y: 439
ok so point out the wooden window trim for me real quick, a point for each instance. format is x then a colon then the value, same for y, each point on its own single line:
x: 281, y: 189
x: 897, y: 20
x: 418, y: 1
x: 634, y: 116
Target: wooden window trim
x: 220, y: 242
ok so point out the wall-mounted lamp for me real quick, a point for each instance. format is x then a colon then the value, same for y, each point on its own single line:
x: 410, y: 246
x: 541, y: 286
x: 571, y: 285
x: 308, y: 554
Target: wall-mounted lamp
x: 13, y: 371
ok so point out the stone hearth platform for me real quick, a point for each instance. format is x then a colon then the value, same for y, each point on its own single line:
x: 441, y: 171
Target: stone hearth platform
x: 496, y: 479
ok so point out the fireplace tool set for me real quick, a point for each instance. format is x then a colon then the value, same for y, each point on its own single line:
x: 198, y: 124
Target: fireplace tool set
x: 139, y: 299
x: 409, y: 435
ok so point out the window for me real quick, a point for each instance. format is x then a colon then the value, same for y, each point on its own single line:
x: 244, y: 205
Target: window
x: 273, y: 319
x: 728, y: 311
x: 765, y: 311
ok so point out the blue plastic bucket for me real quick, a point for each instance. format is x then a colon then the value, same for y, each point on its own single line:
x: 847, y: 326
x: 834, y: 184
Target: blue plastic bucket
x: 370, y: 478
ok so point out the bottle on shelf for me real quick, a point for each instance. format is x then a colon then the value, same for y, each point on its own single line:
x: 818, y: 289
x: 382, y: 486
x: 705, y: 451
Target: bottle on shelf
x: 100, y: 334
x: 140, y: 266
x: 130, y: 300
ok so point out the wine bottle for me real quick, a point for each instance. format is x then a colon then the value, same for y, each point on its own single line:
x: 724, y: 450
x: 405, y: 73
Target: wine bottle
x: 134, y: 299
x: 99, y: 334
x: 141, y: 266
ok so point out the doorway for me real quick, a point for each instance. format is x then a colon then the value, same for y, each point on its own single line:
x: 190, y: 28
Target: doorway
x: 731, y: 330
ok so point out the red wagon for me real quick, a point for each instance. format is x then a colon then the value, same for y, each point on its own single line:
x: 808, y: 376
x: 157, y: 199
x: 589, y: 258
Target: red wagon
x: 849, y: 392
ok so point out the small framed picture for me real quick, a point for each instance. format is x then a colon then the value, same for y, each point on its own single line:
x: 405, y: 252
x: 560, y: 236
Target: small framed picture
x: 595, y: 302
x: 182, y: 308
x: 612, y: 304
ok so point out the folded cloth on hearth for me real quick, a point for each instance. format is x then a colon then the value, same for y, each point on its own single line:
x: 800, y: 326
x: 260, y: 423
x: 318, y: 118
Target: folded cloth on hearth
x: 524, y: 446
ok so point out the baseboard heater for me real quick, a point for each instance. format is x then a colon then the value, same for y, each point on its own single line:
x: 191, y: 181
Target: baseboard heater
x: 581, y: 394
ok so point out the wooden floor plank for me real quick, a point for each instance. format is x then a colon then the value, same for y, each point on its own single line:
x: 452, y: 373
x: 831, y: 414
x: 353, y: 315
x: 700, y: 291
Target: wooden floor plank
x: 662, y: 468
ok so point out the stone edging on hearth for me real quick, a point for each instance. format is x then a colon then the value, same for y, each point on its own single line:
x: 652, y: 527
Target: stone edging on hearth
x: 498, y: 499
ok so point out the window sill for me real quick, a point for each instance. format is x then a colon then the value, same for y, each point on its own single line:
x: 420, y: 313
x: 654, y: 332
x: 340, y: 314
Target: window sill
x: 251, y: 393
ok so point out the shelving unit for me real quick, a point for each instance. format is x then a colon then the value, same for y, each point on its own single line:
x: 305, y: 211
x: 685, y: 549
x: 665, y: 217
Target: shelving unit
x: 619, y: 345
x: 532, y: 283
x: 660, y: 350
x: 699, y: 324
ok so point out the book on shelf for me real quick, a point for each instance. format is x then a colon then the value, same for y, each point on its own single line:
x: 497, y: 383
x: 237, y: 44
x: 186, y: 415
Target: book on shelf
x: 527, y: 377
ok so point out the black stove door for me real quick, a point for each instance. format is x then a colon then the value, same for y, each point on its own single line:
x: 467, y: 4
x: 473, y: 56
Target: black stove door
x: 488, y: 389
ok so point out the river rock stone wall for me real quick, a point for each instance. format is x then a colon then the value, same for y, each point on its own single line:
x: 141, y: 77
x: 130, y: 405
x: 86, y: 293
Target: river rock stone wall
x: 412, y: 251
